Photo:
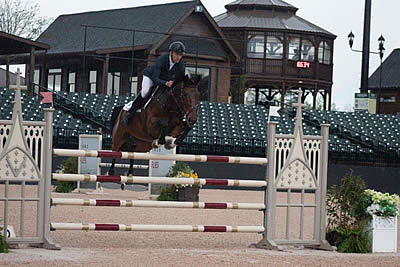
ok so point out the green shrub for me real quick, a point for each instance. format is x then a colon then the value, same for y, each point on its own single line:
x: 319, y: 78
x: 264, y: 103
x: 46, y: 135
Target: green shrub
x: 3, y: 244
x: 168, y: 194
x: 347, y: 217
x: 65, y: 187
x: 68, y: 166
x: 354, y: 239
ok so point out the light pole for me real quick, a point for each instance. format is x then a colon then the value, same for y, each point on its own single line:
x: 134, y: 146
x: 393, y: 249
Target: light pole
x: 381, y: 41
x: 381, y: 49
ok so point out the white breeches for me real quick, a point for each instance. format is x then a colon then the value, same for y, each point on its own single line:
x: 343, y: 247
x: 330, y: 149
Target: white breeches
x: 147, y: 83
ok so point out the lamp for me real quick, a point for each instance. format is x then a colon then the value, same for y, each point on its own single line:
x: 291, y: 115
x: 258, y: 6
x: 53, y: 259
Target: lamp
x: 351, y: 39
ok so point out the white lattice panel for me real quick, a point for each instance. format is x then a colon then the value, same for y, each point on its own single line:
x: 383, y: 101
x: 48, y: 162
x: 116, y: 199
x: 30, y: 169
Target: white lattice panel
x: 34, y: 139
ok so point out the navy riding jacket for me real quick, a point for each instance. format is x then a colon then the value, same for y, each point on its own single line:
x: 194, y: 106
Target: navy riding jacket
x: 160, y: 73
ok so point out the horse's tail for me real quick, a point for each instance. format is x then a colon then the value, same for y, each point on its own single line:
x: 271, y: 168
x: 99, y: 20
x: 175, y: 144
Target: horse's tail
x: 114, y: 115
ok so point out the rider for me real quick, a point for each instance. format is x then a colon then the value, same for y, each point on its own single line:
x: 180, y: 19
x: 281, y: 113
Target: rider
x: 168, y: 69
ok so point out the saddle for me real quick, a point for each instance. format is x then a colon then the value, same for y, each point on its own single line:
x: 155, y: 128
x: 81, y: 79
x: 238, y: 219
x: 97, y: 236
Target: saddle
x: 158, y: 92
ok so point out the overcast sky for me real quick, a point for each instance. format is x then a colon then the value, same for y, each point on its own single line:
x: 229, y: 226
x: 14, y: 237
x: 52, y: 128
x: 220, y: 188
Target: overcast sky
x: 336, y: 16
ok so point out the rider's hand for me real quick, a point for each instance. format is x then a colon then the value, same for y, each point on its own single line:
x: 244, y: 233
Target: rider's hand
x: 169, y: 84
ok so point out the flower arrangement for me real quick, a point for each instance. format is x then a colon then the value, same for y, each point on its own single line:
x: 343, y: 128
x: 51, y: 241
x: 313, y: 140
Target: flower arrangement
x: 182, y: 170
x: 382, y: 204
x: 186, y: 175
x: 180, y: 192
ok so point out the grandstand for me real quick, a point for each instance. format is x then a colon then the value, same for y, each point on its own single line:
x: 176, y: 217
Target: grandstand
x: 361, y: 138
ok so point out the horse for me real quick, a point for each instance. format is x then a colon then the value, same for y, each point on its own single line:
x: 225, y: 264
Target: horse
x: 168, y: 112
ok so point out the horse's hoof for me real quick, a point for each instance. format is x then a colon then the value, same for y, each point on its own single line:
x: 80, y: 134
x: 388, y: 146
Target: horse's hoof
x: 111, y: 172
x: 170, y: 144
x: 122, y: 186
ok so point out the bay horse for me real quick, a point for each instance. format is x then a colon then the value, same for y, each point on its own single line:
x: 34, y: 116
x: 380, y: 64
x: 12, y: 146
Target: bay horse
x: 168, y: 112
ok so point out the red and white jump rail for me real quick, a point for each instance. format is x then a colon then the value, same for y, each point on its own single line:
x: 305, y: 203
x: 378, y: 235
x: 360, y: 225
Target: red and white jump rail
x: 155, y: 204
x: 123, y: 166
x: 155, y: 228
x: 149, y: 156
x: 155, y: 180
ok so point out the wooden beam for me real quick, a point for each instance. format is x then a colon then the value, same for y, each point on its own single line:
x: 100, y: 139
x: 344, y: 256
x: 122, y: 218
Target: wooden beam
x: 31, y: 71
x: 8, y: 73
x: 106, y: 65
x: 122, y: 49
x: 205, y: 57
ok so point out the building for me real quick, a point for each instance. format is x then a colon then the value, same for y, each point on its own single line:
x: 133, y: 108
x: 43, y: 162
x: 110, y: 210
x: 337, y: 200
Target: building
x: 105, y: 52
x: 11, y: 46
x: 12, y: 78
x: 279, y: 50
x: 387, y: 88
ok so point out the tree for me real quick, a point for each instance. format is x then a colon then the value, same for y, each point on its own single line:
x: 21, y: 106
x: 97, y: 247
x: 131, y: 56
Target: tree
x: 21, y: 19
x: 320, y: 104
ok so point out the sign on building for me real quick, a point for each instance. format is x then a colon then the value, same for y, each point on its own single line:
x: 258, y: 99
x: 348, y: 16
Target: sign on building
x: 365, y: 102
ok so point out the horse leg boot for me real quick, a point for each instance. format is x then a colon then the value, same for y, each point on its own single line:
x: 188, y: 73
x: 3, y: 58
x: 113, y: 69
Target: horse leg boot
x: 137, y: 104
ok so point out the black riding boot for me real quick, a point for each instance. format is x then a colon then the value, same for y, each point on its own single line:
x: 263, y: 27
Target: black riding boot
x: 137, y: 104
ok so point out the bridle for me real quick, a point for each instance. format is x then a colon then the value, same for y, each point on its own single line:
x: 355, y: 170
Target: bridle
x: 181, y: 111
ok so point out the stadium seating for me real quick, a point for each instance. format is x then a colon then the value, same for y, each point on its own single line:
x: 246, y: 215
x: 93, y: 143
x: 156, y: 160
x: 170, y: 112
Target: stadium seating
x: 219, y: 124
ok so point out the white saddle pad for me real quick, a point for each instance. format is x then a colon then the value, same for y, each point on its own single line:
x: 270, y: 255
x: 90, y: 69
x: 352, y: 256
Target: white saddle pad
x: 128, y: 106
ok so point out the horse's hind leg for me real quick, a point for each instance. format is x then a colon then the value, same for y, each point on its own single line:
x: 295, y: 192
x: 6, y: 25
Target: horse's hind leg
x: 111, y: 170
x: 118, y: 139
x: 130, y: 171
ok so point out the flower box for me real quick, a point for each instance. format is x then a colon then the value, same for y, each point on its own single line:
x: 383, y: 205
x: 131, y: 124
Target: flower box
x: 383, y: 234
x: 188, y: 193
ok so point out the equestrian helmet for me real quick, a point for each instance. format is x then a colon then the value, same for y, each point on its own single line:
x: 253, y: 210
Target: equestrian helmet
x: 177, y: 47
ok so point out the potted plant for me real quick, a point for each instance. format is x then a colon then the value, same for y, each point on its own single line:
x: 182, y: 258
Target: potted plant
x: 187, y: 192
x: 384, y: 210
x: 181, y: 192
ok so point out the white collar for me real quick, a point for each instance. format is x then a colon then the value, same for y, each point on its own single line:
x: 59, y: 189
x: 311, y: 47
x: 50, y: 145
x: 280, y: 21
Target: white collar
x: 171, y: 63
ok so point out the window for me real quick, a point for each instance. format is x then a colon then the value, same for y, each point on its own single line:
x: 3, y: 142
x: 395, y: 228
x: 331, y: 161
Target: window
x: 36, y: 80
x: 54, y: 80
x: 113, y: 83
x: 133, y: 82
x: 204, y: 85
x: 391, y: 99
x: 92, y: 81
x: 324, y: 53
x: 293, y: 48
x: 261, y: 46
x: 274, y: 49
x: 71, y: 82
x: 255, y: 48
x: 307, y: 50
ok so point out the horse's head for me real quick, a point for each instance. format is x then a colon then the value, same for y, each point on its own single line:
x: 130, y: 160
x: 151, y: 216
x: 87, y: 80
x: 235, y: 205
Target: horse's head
x: 188, y: 97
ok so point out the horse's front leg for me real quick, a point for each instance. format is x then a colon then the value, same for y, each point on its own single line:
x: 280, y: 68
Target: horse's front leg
x: 179, y: 139
x: 163, y: 123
